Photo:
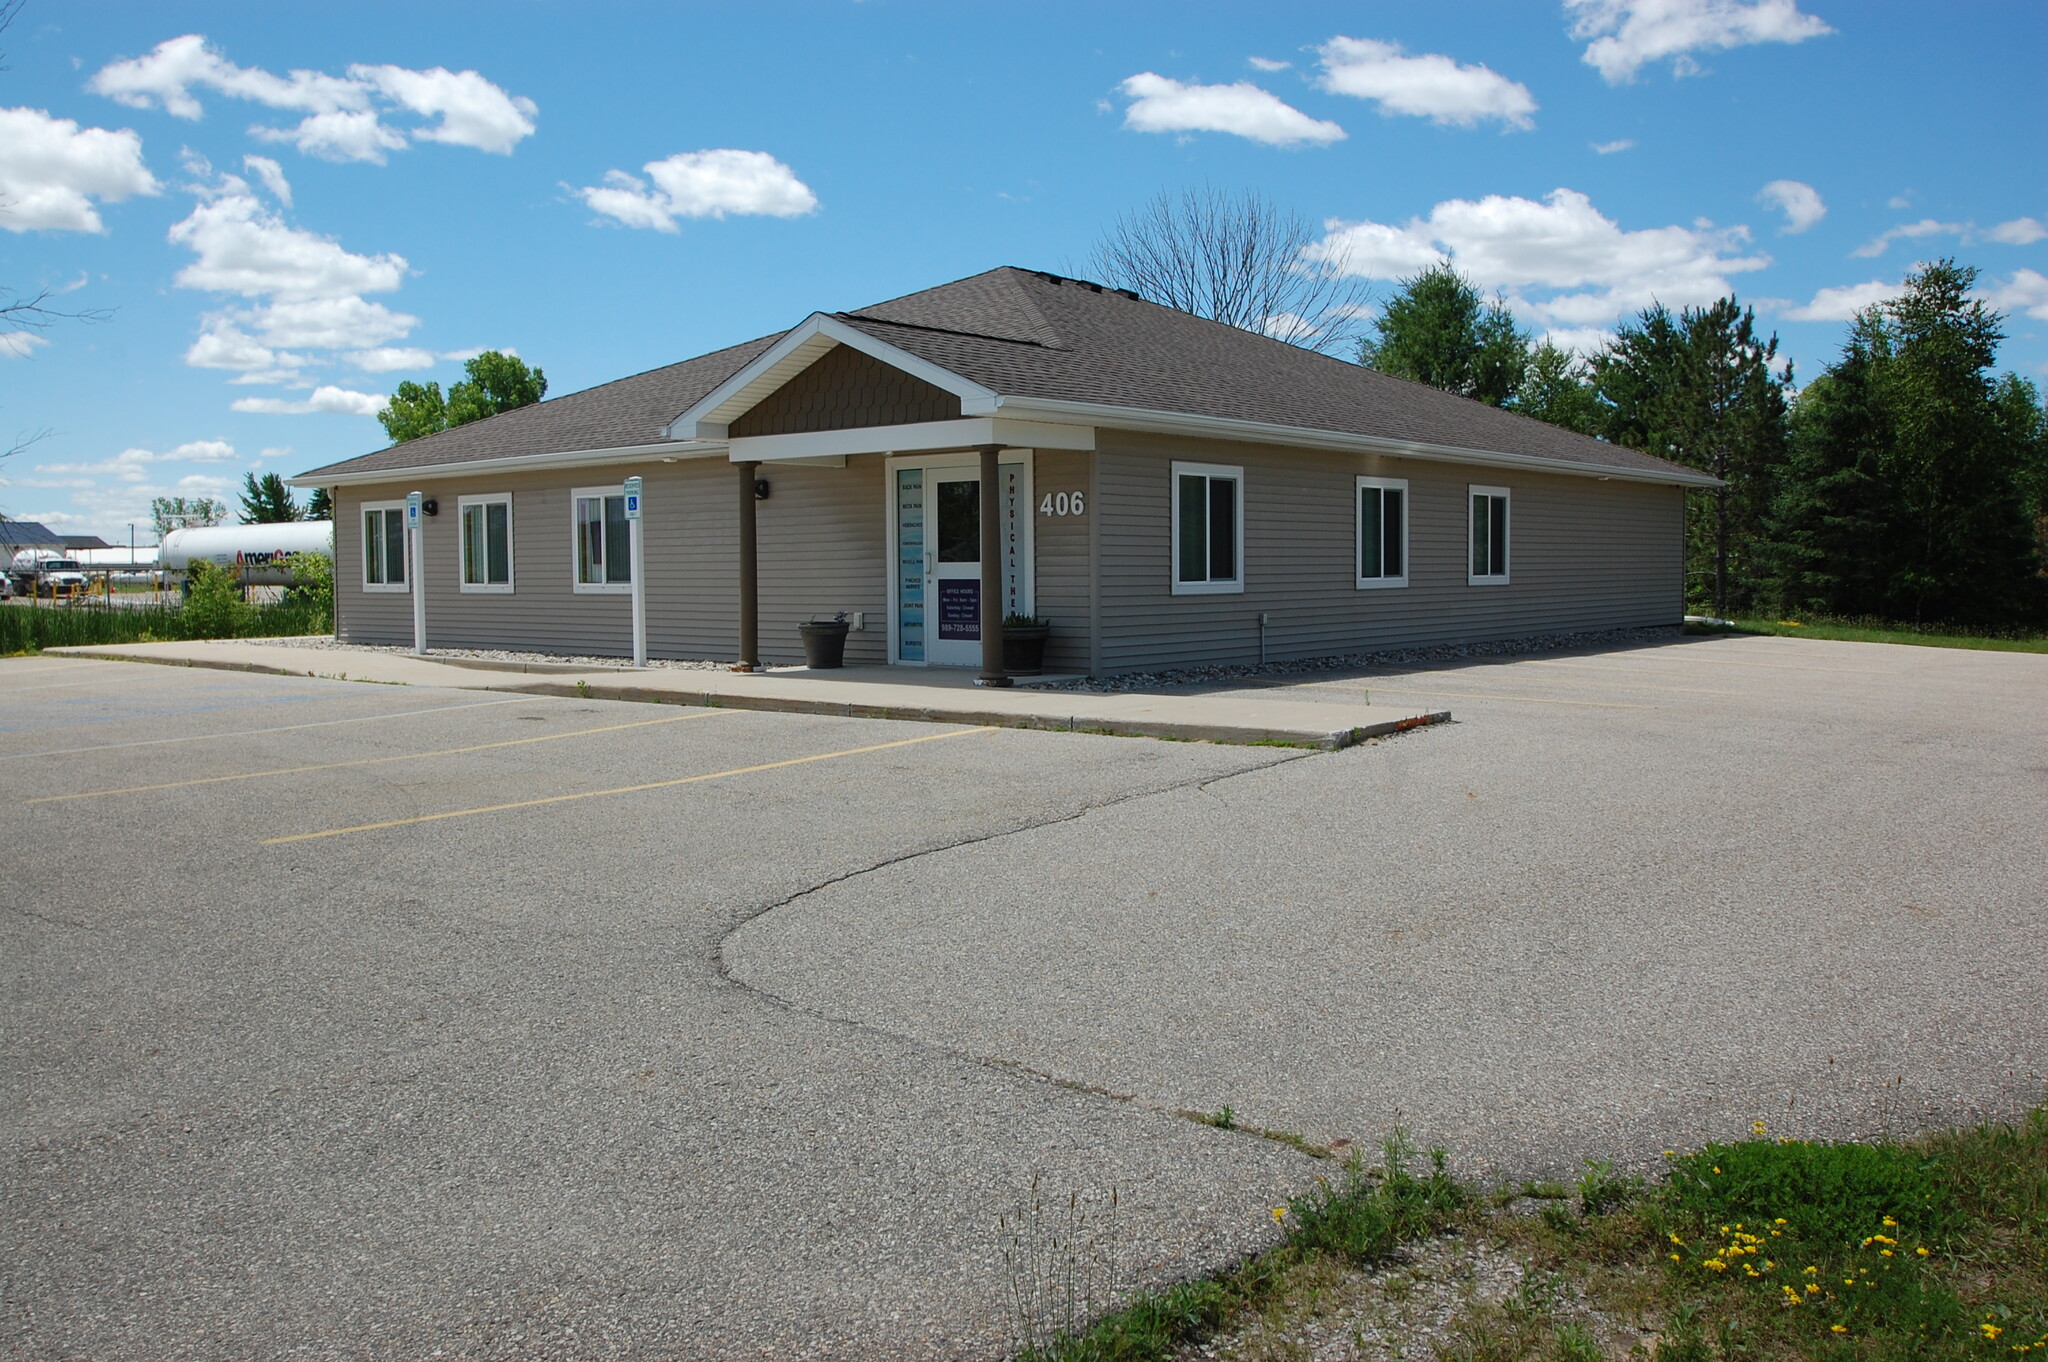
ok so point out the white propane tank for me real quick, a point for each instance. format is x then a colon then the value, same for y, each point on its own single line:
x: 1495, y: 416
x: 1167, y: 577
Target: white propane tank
x: 256, y: 554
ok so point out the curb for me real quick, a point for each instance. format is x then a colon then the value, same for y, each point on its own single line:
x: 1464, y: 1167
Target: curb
x: 1328, y: 740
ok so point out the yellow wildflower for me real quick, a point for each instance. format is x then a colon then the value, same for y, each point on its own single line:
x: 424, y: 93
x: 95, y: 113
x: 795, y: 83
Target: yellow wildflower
x: 1279, y: 1214
x: 1922, y: 1250
x: 1991, y: 1331
x: 1839, y: 1328
x: 1890, y: 1223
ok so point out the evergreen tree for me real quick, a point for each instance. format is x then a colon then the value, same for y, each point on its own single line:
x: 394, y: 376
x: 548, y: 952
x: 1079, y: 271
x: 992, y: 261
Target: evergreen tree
x: 1557, y: 389
x: 1915, y: 490
x: 266, y: 500
x: 496, y: 383
x: 1700, y: 389
x: 1438, y: 330
x: 320, y: 506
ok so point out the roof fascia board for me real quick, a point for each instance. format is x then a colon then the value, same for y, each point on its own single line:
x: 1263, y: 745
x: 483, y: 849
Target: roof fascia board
x: 1267, y: 432
x: 709, y: 417
x: 916, y: 437
x: 515, y: 463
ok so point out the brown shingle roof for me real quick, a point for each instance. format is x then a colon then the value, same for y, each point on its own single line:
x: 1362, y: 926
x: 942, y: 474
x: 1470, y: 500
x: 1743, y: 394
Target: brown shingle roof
x: 1029, y: 335
x: 629, y: 411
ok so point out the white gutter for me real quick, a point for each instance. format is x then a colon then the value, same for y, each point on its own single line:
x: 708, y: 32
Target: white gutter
x: 1267, y: 432
x: 1046, y: 409
x: 514, y: 463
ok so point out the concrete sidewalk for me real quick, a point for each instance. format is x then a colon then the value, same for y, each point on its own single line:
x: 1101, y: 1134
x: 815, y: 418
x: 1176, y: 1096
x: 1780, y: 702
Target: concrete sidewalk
x: 925, y: 696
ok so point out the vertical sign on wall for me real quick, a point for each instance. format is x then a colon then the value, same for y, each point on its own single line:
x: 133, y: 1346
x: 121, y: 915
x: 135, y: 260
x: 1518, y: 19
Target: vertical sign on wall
x: 415, y: 571
x: 910, y: 564
x: 633, y: 490
x: 1014, y: 510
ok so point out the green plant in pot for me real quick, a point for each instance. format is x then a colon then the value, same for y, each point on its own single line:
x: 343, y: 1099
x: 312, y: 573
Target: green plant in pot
x: 824, y: 642
x: 1024, y: 639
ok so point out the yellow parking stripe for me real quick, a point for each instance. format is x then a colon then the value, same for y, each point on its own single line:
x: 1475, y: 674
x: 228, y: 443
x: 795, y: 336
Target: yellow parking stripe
x: 622, y: 789
x: 375, y: 761
x: 253, y: 732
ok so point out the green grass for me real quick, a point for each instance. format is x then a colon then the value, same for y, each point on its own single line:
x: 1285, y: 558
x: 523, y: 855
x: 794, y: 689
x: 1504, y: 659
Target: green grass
x: 1933, y: 1249
x: 1881, y: 631
x: 1357, y: 1219
x: 30, y: 629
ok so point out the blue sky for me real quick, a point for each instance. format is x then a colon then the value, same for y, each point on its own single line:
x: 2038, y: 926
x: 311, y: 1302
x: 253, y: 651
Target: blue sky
x: 609, y: 187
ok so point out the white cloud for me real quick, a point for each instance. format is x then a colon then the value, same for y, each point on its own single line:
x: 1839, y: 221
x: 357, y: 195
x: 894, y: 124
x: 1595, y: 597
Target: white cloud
x: 1268, y: 64
x: 345, y: 323
x: 224, y: 345
x: 244, y: 249
x: 1910, y: 231
x: 51, y: 170
x: 2018, y: 232
x: 344, y: 120
x: 326, y: 398
x: 1431, y: 86
x: 272, y: 175
x: 473, y: 112
x: 1628, y: 33
x: 1609, y: 148
x: 1799, y: 202
x: 1842, y: 302
x: 1580, y: 340
x: 1161, y: 104
x: 343, y: 135
x: 133, y: 465
x: 391, y: 359
x: 702, y: 184
x: 19, y: 344
x: 2026, y: 291
x: 1560, y: 261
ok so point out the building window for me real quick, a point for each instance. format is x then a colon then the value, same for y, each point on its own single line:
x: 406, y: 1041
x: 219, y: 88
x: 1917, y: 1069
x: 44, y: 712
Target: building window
x: 486, y: 543
x: 603, y: 539
x: 1489, y: 536
x: 1382, y: 532
x: 1208, y: 529
x: 384, y: 546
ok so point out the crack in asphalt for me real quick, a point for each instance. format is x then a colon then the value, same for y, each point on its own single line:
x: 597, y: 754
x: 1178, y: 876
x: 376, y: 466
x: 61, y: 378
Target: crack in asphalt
x: 1198, y: 784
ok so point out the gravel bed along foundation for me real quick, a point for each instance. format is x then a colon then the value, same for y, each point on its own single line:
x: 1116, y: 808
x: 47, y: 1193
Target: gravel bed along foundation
x: 1385, y: 657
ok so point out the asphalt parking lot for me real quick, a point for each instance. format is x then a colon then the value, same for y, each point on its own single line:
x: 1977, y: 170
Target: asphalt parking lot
x: 476, y: 1083
x: 1629, y: 900
x: 381, y: 1020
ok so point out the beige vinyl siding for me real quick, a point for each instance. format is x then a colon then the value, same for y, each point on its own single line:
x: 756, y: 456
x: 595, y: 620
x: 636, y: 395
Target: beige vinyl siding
x: 1584, y: 554
x: 1060, y: 543
x: 821, y: 551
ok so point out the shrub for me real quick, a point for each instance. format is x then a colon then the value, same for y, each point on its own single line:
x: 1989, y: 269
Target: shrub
x: 214, y: 607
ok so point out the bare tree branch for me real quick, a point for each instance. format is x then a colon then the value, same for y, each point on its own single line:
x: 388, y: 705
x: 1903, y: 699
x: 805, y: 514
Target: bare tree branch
x: 1234, y: 258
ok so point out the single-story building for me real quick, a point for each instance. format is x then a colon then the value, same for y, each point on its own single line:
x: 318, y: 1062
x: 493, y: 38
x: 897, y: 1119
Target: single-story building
x: 1166, y: 490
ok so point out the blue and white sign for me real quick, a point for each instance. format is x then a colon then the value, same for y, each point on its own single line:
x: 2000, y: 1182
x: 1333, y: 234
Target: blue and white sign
x: 633, y: 498
x: 412, y: 510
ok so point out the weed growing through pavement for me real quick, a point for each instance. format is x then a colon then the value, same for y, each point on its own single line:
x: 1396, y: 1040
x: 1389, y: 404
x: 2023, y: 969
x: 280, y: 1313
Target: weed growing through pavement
x: 1064, y: 1265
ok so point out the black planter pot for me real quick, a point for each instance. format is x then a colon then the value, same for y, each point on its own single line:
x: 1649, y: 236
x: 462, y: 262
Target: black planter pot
x: 824, y: 643
x: 1024, y: 648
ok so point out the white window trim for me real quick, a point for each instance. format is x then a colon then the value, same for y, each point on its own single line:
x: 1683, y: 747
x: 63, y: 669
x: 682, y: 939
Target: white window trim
x: 462, y: 505
x: 363, y: 509
x: 576, y: 582
x: 1496, y: 578
x: 1394, y: 484
x: 1206, y: 470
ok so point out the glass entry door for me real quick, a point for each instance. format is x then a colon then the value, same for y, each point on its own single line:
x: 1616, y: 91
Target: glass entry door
x: 938, y: 560
x: 954, y: 612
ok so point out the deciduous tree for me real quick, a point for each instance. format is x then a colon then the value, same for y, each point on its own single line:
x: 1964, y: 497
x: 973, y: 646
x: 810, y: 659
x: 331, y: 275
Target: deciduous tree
x: 1236, y: 259
x: 496, y: 383
x: 1438, y: 329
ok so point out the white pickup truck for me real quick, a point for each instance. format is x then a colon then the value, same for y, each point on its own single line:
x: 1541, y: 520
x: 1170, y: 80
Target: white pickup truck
x: 44, y: 574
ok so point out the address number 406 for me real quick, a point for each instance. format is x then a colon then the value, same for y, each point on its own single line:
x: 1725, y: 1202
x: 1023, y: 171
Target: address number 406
x: 1063, y: 503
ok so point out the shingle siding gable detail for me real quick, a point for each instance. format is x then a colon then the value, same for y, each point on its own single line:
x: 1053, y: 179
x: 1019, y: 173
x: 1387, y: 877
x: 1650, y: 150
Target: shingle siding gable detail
x: 843, y: 390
